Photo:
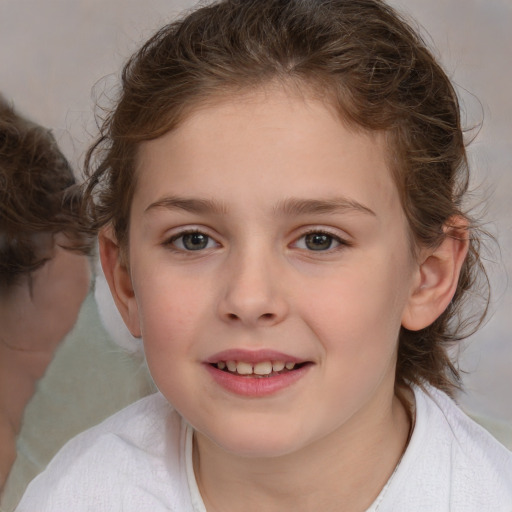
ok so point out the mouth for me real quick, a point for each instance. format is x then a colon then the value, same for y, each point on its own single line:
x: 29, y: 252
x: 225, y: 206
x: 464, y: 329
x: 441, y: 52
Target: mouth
x: 256, y: 373
x: 262, y: 369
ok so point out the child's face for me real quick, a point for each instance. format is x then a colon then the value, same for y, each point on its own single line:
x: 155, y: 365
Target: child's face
x: 265, y: 231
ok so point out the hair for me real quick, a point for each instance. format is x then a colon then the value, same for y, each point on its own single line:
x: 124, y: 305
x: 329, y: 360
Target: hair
x: 38, y: 198
x: 358, y: 55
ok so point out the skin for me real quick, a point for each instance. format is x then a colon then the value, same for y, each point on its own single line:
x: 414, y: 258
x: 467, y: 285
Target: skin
x: 331, y: 439
x: 34, y: 321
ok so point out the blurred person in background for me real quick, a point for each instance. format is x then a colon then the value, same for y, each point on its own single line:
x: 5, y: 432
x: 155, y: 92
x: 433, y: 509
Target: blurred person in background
x: 44, y: 265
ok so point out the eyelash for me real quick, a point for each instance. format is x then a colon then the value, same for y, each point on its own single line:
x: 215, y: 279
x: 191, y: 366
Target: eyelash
x: 170, y: 243
x: 342, y: 243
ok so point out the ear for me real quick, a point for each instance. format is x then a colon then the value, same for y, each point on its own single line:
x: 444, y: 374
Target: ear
x: 437, y: 276
x: 119, y: 280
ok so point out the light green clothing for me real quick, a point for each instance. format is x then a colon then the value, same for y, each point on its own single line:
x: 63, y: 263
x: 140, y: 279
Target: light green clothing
x: 89, y: 379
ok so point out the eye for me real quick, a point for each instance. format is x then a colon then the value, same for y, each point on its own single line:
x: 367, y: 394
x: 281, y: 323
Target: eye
x: 318, y: 241
x: 192, y: 241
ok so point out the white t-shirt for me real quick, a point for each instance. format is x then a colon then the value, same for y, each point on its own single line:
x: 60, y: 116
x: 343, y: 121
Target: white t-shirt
x: 140, y: 460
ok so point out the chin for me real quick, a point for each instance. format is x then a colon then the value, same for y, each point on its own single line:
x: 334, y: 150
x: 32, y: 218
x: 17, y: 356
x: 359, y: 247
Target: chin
x: 253, y: 441
x: 259, y: 449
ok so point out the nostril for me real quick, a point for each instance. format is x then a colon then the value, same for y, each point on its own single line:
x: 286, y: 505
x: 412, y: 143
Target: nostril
x: 232, y: 316
x: 267, y: 316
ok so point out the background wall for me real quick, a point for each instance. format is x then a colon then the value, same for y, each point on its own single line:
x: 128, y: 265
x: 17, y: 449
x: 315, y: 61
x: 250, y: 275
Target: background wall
x: 55, y: 53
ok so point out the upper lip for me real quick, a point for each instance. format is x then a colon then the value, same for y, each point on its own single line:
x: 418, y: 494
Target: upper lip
x: 252, y: 356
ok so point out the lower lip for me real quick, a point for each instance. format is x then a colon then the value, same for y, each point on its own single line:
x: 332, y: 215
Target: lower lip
x: 256, y: 386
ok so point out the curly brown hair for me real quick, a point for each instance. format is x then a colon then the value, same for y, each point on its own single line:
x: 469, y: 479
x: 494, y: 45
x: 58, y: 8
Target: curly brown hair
x: 359, y: 55
x: 38, y: 198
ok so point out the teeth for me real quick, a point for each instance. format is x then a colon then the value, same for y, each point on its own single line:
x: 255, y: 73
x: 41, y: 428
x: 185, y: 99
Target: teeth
x: 244, y: 368
x: 262, y: 368
x: 277, y: 366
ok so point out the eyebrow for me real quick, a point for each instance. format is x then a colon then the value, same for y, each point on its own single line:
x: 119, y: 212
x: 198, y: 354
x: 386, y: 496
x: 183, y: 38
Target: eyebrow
x: 291, y: 206
x: 294, y: 206
x: 192, y: 205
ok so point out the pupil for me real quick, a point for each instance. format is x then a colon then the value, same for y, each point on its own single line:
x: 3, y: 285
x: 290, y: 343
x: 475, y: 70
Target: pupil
x: 318, y: 241
x: 195, y: 241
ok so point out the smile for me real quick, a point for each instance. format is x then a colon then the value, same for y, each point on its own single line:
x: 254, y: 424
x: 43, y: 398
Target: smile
x: 256, y: 373
x: 260, y: 369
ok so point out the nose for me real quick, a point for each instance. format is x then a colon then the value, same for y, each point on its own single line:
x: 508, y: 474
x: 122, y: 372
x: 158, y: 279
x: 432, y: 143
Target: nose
x: 253, y: 292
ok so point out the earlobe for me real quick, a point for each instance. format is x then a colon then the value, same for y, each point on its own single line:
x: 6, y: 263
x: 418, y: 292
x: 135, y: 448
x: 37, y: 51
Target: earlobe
x: 437, y: 277
x: 119, y: 280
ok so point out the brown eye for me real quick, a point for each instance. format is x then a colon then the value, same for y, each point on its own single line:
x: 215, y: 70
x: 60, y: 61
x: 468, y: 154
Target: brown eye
x: 193, y: 241
x: 319, y: 241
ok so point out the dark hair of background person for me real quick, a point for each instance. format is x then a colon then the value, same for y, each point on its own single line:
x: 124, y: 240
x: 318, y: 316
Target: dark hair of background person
x: 38, y: 198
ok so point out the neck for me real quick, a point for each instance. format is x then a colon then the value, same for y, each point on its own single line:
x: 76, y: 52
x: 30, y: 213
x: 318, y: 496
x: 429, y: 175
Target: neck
x: 19, y: 372
x: 344, y: 471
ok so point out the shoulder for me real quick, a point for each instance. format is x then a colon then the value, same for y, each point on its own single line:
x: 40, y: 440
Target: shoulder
x: 451, y: 464
x: 119, y: 464
x: 142, y: 426
x: 469, y: 441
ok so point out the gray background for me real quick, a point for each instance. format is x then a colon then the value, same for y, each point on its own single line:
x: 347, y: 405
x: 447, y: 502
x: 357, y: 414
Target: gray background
x: 58, y: 56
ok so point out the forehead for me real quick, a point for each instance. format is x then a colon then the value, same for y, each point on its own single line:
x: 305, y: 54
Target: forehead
x: 266, y: 143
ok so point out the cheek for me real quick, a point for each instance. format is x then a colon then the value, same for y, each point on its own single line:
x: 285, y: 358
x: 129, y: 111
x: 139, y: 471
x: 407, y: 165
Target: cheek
x: 171, y: 311
x: 360, y: 310
x: 166, y: 336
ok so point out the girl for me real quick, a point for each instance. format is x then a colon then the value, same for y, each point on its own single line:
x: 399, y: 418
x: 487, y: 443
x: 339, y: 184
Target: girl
x: 279, y: 194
